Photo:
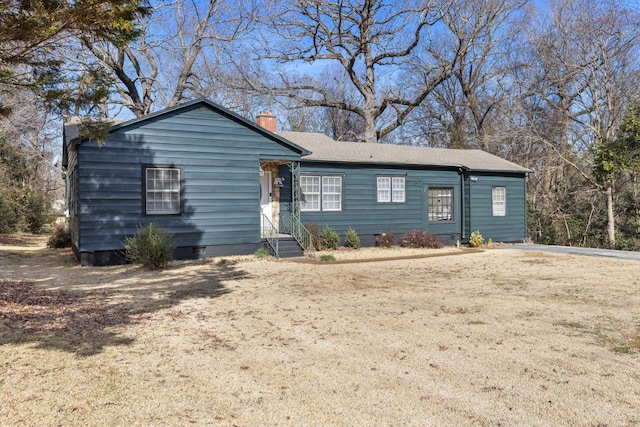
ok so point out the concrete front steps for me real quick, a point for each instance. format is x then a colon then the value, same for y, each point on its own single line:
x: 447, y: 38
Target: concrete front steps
x: 288, y: 247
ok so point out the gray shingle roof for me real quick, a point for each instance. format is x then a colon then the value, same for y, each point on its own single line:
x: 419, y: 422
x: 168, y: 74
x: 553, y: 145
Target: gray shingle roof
x: 325, y: 149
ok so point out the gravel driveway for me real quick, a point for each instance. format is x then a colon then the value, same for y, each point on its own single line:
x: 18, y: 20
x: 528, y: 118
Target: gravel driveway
x: 570, y: 250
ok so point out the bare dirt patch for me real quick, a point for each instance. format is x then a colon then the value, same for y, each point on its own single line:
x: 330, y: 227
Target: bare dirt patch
x: 488, y: 338
x: 23, y: 240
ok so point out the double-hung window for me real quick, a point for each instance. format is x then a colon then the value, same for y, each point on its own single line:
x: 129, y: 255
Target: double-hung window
x: 162, y: 190
x: 440, y: 202
x: 499, y: 201
x: 310, y: 189
x: 321, y: 193
x: 390, y: 189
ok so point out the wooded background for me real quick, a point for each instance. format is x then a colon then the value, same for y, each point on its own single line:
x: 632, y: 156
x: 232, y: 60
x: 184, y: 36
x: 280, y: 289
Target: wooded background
x: 550, y: 85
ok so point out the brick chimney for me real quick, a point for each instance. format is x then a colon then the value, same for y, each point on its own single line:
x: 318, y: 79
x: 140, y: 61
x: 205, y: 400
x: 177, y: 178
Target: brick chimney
x: 267, y: 120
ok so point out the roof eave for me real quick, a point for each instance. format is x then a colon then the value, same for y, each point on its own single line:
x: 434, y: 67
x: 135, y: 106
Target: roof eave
x: 522, y: 171
x: 420, y: 165
x: 355, y: 162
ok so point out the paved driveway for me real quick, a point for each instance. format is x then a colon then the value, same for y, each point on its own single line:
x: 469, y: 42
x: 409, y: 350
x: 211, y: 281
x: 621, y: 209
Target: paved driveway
x: 606, y: 253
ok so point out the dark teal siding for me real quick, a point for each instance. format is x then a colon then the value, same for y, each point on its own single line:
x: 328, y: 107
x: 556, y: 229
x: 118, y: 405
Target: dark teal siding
x: 220, y: 160
x: 508, y: 228
x: 361, y: 210
x: 472, y: 202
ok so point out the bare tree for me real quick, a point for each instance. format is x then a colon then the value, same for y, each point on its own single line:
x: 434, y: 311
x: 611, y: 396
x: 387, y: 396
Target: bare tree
x: 467, y: 109
x: 159, y: 69
x: 487, y: 30
x: 611, y: 89
x: 371, y: 40
x: 586, y: 62
x: 341, y: 125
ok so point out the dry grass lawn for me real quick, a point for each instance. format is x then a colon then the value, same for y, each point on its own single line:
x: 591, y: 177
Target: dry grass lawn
x: 480, y: 338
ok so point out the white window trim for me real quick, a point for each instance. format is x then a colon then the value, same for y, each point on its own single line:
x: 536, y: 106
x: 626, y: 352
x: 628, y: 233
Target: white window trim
x: 390, y: 181
x: 387, y: 181
x: 307, y: 209
x: 162, y: 191
x: 499, y: 207
x: 325, y: 193
x: 322, y: 202
x: 395, y: 179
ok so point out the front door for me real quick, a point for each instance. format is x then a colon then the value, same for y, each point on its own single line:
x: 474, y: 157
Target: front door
x: 265, y: 200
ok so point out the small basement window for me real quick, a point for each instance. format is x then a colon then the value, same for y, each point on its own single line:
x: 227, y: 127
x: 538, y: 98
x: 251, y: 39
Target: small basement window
x: 499, y: 201
x: 162, y: 192
x: 440, y: 204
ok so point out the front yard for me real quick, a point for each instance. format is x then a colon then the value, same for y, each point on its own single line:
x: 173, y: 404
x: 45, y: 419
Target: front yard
x: 483, y: 338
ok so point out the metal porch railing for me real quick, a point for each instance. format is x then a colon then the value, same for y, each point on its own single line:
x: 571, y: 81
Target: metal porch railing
x: 291, y: 224
x: 270, y: 234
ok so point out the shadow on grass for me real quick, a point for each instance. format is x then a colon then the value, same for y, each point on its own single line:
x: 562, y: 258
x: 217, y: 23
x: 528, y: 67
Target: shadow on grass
x: 86, y: 317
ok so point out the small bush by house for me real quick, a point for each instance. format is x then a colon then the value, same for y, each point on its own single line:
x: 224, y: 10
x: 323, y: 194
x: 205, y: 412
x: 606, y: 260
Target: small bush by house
x: 61, y: 238
x: 151, y: 246
x: 420, y: 239
x: 386, y: 239
x: 352, y: 239
x: 316, y: 234
x: 476, y: 240
x: 330, y: 238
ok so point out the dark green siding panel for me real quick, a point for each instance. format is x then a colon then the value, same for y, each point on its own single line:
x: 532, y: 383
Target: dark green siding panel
x: 508, y: 228
x: 220, y: 159
x: 361, y: 210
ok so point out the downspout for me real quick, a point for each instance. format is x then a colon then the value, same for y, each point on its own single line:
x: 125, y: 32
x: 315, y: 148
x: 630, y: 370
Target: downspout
x: 464, y: 213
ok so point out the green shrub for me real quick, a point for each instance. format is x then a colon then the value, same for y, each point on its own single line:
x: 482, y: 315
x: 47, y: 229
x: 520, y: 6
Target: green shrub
x: 476, y: 239
x: 151, y: 246
x: 36, y: 211
x: 262, y: 253
x: 316, y: 235
x: 327, y: 258
x: 9, y: 218
x: 550, y: 235
x: 352, y: 239
x: 61, y: 238
x: 330, y: 238
x: 420, y: 239
x: 22, y: 210
x: 386, y: 239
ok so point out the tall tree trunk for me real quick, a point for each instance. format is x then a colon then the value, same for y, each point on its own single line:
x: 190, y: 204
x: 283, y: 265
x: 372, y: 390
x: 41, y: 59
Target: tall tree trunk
x: 370, y: 131
x: 611, y: 221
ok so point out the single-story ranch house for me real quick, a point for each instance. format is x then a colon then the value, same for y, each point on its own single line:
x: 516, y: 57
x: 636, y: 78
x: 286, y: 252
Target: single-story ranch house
x: 224, y: 185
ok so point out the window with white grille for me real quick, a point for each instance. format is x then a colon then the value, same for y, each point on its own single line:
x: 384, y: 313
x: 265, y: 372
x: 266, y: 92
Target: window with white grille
x: 390, y: 189
x: 321, y: 193
x: 499, y: 201
x: 162, y: 190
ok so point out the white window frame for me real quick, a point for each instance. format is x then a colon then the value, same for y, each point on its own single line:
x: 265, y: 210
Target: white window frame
x: 383, y: 189
x: 327, y: 200
x: 390, y: 189
x: 164, y: 193
x: 499, y: 201
x: 305, y: 205
x: 398, y: 193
